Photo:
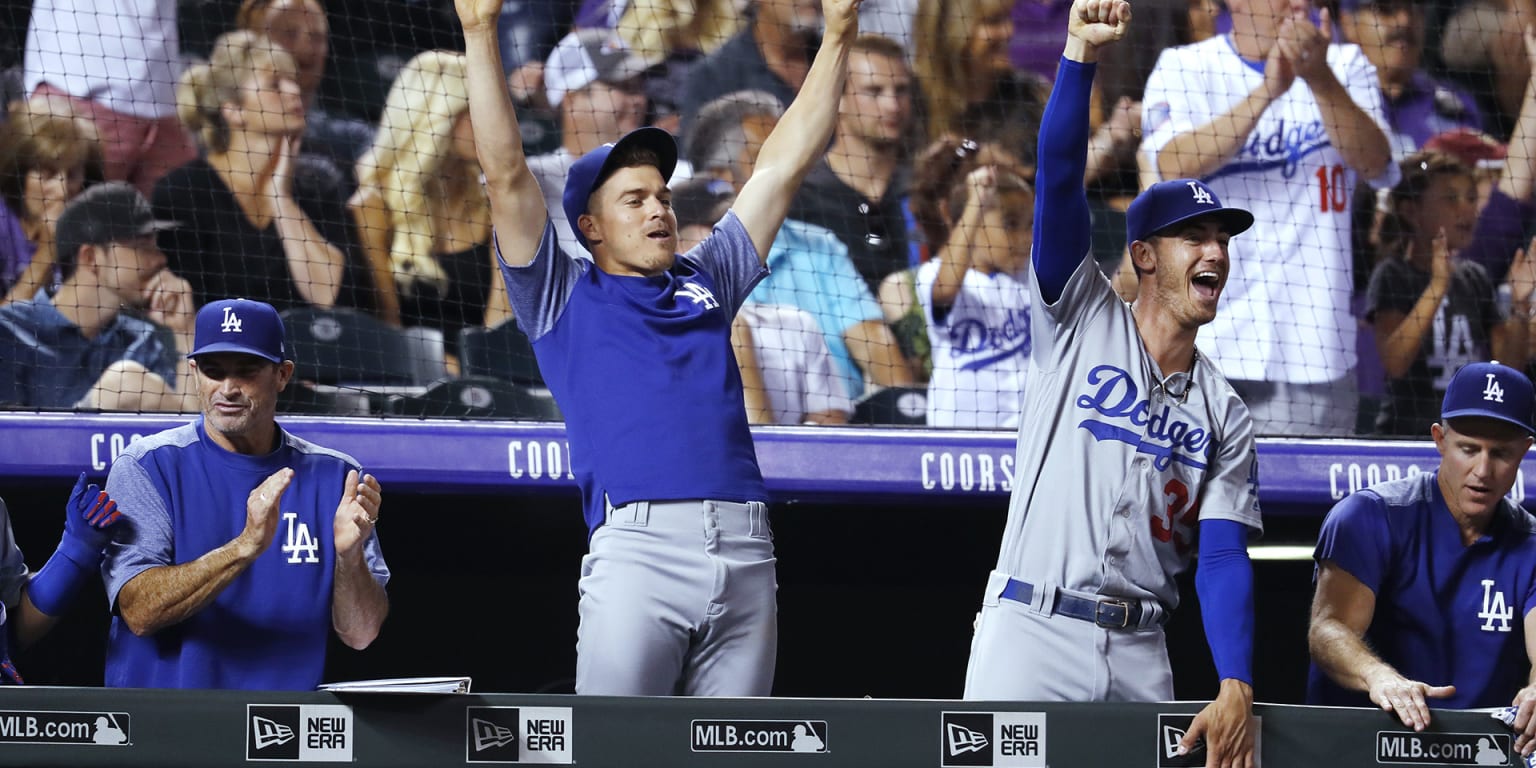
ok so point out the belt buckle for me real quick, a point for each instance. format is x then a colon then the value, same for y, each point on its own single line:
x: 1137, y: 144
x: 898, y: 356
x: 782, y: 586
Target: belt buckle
x: 1125, y: 613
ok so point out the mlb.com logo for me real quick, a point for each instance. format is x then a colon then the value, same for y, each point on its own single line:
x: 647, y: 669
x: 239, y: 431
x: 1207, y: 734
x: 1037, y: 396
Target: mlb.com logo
x: 992, y: 739
x: 305, y: 732
x: 518, y: 735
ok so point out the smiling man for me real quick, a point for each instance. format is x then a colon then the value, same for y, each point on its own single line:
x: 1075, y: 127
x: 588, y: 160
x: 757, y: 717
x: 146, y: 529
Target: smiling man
x: 678, y: 588
x: 200, y: 595
x: 1133, y: 450
x: 1426, y: 585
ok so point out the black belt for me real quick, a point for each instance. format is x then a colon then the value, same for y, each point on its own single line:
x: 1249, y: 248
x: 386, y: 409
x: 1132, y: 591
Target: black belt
x: 1106, y: 612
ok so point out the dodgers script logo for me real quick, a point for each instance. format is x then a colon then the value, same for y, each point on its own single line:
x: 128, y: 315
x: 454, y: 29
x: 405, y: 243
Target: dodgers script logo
x: 1116, y: 397
x: 1284, y: 147
x: 974, y: 338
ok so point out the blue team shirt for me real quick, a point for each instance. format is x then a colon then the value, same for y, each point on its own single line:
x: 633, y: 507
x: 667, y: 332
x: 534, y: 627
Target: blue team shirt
x: 181, y: 496
x: 644, y: 370
x: 1445, y: 613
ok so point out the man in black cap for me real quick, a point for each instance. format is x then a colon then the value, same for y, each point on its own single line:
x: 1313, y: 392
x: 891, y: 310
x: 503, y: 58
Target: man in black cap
x: 76, y: 348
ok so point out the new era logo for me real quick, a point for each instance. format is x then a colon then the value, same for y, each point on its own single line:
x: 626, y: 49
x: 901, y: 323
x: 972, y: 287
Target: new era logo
x: 269, y: 733
x: 993, y: 739
x: 487, y: 734
x: 962, y: 739
x: 306, y: 732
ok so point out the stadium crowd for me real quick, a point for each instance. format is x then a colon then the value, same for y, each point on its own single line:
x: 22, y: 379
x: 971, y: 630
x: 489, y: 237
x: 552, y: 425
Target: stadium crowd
x: 321, y: 159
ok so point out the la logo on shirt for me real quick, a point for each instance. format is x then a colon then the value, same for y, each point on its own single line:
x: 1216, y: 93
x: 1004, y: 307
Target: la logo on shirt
x: 1495, y: 613
x: 301, y: 546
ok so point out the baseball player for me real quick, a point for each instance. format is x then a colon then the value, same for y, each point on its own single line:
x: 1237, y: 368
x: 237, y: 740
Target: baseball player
x: 246, y: 546
x: 1133, y: 450
x: 1278, y: 118
x: 30, y: 604
x: 677, y: 589
x: 1426, y: 586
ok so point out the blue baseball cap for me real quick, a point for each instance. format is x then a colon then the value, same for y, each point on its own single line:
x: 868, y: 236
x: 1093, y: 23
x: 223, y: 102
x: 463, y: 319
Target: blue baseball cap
x: 1167, y: 203
x: 1491, y: 390
x: 592, y: 169
x: 239, y: 325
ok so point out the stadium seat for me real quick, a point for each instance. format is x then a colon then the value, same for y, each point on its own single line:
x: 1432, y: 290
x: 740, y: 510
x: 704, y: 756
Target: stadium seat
x: 346, y: 347
x: 503, y: 352
x: 893, y: 406
x: 478, y: 396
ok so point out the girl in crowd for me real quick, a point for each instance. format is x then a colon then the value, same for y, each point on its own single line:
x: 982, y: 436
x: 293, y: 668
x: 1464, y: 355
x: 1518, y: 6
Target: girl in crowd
x: 47, y: 156
x: 419, y: 207
x: 1433, y: 311
x: 242, y: 232
x: 973, y: 292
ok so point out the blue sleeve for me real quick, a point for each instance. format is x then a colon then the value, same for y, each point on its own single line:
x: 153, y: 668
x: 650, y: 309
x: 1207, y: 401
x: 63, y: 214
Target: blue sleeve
x: 1061, y: 204
x: 1355, y: 537
x: 731, y: 259
x: 1224, y: 581
x: 539, y: 290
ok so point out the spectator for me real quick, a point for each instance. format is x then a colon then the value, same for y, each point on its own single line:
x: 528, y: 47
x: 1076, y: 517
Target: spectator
x: 200, y: 597
x: 77, y: 348
x: 968, y: 83
x: 595, y: 82
x: 808, y: 266
x: 1432, y: 311
x: 46, y: 159
x: 243, y: 233
x: 670, y: 37
x: 79, y: 58
x: 1480, y: 44
x: 1391, y: 34
x: 424, y: 219
x: 31, y: 604
x: 1404, y: 566
x: 1287, y: 140
x: 859, y: 189
x: 301, y: 28
x: 787, y: 373
x: 940, y: 169
x: 976, y: 301
x: 772, y: 54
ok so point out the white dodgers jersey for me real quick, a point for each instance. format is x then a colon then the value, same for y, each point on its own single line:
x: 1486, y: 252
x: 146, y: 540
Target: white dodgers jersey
x: 1284, y: 314
x: 980, y: 350
x: 1116, y: 464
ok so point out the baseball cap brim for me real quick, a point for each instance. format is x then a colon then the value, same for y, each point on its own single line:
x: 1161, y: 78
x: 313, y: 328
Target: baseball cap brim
x: 224, y: 346
x: 1483, y: 413
x: 1233, y: 221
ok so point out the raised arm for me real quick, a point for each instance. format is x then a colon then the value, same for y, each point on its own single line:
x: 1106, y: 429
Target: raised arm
x: 800, y: 138
x: 517, y: 206
x: 1519, y: 176
x: 1059, y: 195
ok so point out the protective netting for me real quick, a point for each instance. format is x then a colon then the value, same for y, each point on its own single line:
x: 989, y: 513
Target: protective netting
x: 317, y: 156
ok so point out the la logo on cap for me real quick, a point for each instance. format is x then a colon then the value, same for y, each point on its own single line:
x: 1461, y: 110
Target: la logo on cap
x: 231, y: 322
x: 1202, y: 195
x: 1492, y: 391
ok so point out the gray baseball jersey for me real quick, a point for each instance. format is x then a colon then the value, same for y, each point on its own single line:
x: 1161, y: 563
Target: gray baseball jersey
x: 1116, y: 463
